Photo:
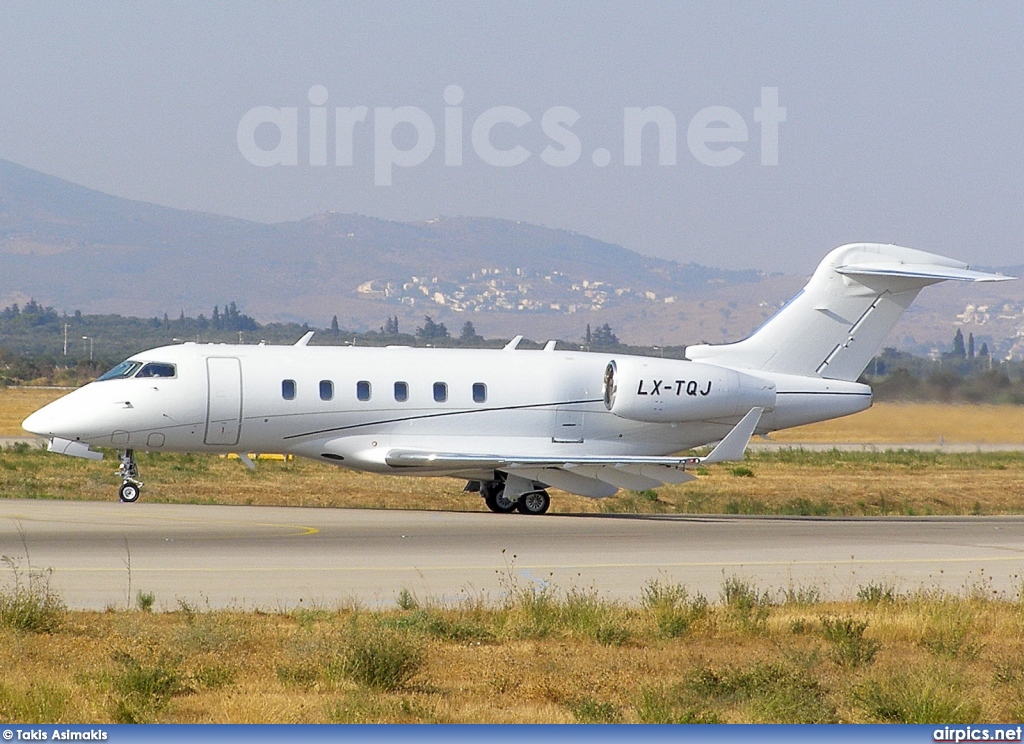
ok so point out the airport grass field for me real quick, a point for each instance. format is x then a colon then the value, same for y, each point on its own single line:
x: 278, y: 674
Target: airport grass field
x: 539, y: 656
x: 543, y: 655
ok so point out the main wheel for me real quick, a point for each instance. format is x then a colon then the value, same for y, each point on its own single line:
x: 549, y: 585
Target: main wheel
x: 535, y: 502
x: 129, y: 492
x: 494, y: 497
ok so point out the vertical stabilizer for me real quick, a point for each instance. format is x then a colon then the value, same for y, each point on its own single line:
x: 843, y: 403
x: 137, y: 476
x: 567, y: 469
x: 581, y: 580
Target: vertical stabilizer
x: 838, y: 321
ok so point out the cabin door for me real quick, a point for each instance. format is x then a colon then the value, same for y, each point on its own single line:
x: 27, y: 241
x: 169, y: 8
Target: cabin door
x: 224, y: 403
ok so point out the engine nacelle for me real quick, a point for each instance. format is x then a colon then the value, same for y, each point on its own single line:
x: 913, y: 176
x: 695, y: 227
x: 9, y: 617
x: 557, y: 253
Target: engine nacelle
x: 667, y: 390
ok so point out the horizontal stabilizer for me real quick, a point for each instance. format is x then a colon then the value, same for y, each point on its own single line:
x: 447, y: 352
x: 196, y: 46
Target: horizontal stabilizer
x: 920, y: 271
x: 735, y: 443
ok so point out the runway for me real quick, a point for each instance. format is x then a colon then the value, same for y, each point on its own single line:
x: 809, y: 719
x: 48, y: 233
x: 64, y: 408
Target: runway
x: 102, y: 553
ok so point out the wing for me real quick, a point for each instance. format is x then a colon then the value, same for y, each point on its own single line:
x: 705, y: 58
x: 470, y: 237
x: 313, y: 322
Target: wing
x: 594, y: 476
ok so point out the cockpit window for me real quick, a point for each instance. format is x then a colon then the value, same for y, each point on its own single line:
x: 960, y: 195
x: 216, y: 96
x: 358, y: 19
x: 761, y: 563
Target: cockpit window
x: 122, y: 371
x: 157, y: 369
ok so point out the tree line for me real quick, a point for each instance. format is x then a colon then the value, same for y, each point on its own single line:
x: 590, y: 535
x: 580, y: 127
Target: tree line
x: 38, y: 345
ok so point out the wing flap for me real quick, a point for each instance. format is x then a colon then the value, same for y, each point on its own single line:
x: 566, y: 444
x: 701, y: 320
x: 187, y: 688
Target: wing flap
x: 596, y: 476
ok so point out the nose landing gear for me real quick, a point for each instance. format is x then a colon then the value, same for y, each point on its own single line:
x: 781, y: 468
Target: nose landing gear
x: 131, y: 486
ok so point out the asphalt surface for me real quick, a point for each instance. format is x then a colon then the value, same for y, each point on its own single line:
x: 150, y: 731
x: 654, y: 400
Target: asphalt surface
x: 102, y: 553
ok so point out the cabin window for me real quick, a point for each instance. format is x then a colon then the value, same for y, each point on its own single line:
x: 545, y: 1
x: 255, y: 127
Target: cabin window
x: 440, y: 391
x: 288, y: 389
x: 479, y: 392
x: 401, y: 391
x: 157, y: 369
x: 121, y: 371
x: 326, y: 390
x: 363, y: 390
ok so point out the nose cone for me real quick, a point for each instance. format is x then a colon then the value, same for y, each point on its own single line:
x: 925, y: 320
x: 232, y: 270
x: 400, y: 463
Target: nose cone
x: 39, y: 423
x: 63, y: 418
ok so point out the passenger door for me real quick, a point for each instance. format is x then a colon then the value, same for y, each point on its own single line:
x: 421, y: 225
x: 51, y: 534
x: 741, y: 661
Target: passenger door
x: 224, y: 403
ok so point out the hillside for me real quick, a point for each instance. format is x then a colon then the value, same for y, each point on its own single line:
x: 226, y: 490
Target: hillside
x: 73, y: 248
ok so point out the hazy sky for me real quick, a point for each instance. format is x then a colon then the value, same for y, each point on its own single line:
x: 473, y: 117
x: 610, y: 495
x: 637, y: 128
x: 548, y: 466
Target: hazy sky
x: 903, y: 122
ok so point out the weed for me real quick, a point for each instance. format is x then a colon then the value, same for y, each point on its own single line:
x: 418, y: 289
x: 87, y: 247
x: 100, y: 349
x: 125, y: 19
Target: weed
x: 742, y: 471
x: 672, y: 608
x: 143, y: 690
x: 311, y: 659
x: 849, y: 646
x: 947, y: 635
x: 907, y: 697
x: 437, y: 625
x: 30, y: 604
x: 802, y: 596
x: 145, y: 600
x: 673, y: 705
x: 584, y: 613
x: 804, y: 507
x: 747, y: 607
x: 877, y: 593
x: 39, y: 702
x: 382, y: 660
x: 774, y: 693
x: 407, y: 600
x: 589, y: 710
x: 210, y: 632
x: 532, y: 613
x: 358, y: 706
x: 215, y: 676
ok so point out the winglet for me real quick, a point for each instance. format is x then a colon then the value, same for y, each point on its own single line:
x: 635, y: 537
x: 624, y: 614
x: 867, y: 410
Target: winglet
x: 735, y: 443
x: 511, y: 345
x: 305, y: 338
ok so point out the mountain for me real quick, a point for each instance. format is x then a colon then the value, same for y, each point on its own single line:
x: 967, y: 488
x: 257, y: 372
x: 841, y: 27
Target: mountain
x: 74, y: 248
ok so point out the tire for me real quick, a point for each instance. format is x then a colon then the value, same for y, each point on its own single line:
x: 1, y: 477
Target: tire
x: 495, y: 499
x: 535, y: 502
x: 129, y: 492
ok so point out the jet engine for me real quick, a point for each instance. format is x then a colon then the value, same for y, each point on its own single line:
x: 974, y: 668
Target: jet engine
x: 666, y: 390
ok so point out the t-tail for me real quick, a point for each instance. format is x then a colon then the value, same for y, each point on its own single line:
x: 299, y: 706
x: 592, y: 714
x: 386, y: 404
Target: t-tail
x: 838, y: 321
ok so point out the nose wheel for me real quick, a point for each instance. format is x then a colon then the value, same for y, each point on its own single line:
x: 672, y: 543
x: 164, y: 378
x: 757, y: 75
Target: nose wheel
x: 131, y: 486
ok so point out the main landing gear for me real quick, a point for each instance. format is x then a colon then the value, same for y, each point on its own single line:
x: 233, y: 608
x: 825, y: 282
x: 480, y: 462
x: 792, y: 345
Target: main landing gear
x: 131, y: 486
x: 534, y: 502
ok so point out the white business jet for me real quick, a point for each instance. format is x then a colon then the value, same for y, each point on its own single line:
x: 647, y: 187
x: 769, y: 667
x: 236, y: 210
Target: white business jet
x: 512, y: 423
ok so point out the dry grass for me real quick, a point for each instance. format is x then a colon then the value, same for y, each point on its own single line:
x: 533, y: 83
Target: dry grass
x: 803, y: 483
x: 17, y: 403
x: 541, y: 658
x: 917, y: 423
x: 788, y: 482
